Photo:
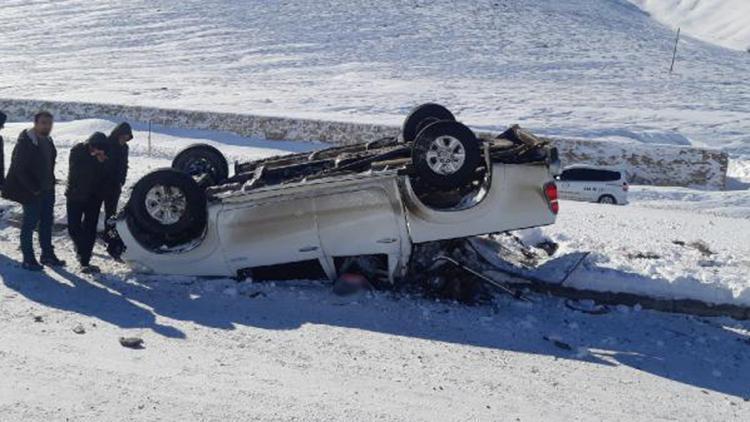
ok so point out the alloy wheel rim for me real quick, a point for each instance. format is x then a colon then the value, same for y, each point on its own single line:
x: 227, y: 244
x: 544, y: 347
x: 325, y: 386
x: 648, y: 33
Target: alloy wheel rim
x: 446, y: 155
x: 166, y: 204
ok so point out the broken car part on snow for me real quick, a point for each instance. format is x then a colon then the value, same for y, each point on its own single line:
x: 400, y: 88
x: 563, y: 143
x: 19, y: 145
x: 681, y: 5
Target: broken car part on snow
x: 313, y: 214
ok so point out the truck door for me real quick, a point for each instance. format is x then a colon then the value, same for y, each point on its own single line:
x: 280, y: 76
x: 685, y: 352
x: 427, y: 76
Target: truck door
x: 268, y: 232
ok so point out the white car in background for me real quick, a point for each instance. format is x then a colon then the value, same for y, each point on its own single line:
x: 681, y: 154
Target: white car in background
x: 605, y: 185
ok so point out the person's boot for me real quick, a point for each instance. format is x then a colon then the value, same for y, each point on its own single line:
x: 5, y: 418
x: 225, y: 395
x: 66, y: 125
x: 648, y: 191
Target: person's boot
x: 90, y: 269
x: 52, y: 261
x: 31, y: 265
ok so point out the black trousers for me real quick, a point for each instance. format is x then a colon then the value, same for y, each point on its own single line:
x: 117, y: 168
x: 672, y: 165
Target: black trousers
x: 83, y: 217
x: 111, y: 199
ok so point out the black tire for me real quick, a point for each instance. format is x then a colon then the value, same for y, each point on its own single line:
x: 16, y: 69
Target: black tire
x: 445, y: 133
x: 200, y: 159
x: 607, y: 199
x: 176, y: 227
x: 422, y: 116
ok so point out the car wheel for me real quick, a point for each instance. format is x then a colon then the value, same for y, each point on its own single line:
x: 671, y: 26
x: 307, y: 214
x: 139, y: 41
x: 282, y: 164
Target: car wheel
x: 607, y: 199
x: 420, y: 117
x: 201, y: 159
x: 446, y: 155
x: 169, y: 206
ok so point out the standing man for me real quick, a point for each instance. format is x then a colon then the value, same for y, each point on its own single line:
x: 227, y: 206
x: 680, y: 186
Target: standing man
x: 85, y: 195
x: 3, y: 119
x: 117, y: 166
x: 31, y: 182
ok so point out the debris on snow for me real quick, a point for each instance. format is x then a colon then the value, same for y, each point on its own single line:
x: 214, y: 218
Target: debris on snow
x: 350, y: 283
x: 132, y: 342
x: 257, y: 293
x: 644, y: 255
x: 549, y: 246
x: 702, y: 247
x: 587, y: 307
x: 78, y: 329
x: 558, y: 343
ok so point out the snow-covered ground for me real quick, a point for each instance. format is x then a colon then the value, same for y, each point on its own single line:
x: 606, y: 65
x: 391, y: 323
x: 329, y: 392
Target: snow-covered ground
x: 222, y: 350
x: 215, y: 351
x: 724, y: 22
x: 219, y: 350
x: 577, y: 68
x: 668, y: 253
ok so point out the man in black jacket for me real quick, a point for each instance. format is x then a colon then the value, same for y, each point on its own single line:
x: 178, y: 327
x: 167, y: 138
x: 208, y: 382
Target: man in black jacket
x: 117, y: 167
x: 31, y: 182
x: 85, y: 195
x: 3, y: 119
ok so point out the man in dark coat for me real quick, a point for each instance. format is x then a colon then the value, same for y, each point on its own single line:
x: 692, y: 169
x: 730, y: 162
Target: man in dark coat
x: 117, y: 167
x: 85, y: 195
x: 3, y: 119
x: 31, y: 182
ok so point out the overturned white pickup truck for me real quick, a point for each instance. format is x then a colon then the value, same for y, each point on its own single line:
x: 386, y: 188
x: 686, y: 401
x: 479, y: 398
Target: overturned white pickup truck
x: 315, y: 211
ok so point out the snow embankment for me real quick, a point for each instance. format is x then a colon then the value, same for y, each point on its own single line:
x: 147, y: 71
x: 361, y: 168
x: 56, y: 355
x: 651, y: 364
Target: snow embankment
x: 643, y: 158
x: 722, y: 22
x: 667, y: 253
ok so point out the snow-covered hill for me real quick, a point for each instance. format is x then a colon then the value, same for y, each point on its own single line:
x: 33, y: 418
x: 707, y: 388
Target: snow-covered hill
x: 724, y: 22
x: 587, y: 68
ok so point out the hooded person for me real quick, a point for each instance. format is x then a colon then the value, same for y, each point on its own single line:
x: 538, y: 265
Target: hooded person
x: 117, y: 167
x: 3, y: 119
x: 31, y: 183
x: 85, y: 194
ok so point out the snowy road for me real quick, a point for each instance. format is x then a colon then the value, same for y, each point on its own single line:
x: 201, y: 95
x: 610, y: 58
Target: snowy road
x: 297, y: 352
x: 219, y: 350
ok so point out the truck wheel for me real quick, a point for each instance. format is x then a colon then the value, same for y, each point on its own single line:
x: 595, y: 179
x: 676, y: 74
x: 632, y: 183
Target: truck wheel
x: 201, y: 159
x: 169, y: 205
x: 420, y: 117
x: 446, y: 155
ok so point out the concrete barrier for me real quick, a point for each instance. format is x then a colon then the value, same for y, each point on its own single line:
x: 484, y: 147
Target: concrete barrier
x: 664, y: 165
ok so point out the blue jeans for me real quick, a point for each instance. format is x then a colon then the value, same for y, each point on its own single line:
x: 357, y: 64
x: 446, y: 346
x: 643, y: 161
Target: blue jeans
x: 38, y: 213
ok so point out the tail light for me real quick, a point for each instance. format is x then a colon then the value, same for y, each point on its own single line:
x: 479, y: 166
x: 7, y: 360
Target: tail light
x: 550, y: 192
x: 625, y: 186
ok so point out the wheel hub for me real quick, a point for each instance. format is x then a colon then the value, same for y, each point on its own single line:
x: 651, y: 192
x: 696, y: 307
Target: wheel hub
x: 446, y: 155
x: 198, y: 167
x: 166, y: 204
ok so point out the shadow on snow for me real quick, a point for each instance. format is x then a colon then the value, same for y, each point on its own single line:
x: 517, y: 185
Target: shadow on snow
x: 698, y: 352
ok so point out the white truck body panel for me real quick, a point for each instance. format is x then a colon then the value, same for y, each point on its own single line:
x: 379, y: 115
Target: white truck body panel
x: 359, y: 214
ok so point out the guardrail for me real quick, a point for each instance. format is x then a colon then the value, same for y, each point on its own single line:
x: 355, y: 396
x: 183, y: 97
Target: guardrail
x: 664, y: 165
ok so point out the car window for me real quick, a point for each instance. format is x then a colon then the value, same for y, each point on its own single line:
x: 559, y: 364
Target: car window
x: 605, y: 176
x: 593, y: 175
x: 572, y: 174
